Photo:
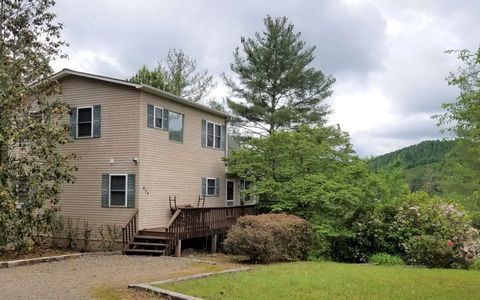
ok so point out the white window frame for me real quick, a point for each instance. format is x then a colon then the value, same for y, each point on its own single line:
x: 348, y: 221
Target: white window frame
x: 155, y: 117
x: 91, y: 125
x: 242, y: 190
x: 110, y: 189
x: 215, y: 184
x: 226, y: 193
x: 214, y: 135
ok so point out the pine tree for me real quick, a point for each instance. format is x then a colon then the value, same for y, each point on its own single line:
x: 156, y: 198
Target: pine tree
x: 276, y: 86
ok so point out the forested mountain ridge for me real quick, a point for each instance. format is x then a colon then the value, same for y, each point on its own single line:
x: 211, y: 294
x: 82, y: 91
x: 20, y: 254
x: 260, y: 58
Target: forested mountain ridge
x: 436, y: 167
x: 422, y: 154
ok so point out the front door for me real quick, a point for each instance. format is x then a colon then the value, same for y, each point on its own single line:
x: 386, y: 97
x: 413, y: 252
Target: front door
x: 230, y: 192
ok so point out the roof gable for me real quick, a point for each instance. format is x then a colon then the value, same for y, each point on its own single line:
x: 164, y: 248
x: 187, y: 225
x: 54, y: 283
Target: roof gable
x: 142, y: 87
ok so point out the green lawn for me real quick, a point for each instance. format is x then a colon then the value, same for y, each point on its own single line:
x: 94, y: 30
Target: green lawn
x: 327, y: 280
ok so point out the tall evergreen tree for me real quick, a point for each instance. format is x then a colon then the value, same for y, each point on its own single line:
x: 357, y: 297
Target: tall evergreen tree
x: 177, y: 75
x: 276, y: 86
x: 32, y: 167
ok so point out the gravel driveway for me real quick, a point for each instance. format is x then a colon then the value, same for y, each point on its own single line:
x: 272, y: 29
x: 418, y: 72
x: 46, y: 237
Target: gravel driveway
x: 75, y: 278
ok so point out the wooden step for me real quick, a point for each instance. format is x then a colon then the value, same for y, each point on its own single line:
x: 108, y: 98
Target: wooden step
x: 148, y: 244
x: 149, y: 237
x: 154, y: 233
x: 144, y: 251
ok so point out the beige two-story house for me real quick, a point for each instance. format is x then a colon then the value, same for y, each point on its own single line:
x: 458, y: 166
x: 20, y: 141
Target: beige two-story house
x: 145, y: 158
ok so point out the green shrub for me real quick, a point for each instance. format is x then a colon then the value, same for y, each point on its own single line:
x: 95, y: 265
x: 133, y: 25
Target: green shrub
x: 71, y: 234
x: 475, y: 266
x: 110, y: 235
x: 386, y: 259
x: 422, y: 230
x: 475, y: 219
x: 270, y: 237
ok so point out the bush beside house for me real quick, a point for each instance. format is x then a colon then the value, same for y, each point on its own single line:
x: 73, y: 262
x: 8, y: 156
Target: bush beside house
x: 270, y: 238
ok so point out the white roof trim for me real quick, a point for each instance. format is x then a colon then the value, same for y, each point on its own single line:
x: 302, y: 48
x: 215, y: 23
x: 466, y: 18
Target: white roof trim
x: 142, y: 87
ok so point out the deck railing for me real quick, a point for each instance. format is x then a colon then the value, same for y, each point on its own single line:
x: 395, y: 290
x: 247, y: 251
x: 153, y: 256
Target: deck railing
x: 130, y: 229
x: 193, y: 222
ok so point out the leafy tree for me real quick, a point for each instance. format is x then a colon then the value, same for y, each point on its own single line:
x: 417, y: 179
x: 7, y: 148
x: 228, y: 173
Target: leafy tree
x: 310, y: 172
x: 276, y: 86
x: 32, y: 167
x: 177, y: 75
x: 464, y: 113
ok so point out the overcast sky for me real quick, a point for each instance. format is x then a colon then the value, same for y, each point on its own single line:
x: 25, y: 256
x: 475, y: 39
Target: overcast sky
x: 387, y: 56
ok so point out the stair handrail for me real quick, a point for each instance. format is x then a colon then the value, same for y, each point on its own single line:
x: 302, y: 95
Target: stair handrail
x: 130, y: 228
x: 172, y: 220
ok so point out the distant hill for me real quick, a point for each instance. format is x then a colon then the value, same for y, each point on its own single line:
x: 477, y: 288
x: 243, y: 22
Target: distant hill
x: 428, y: 167
x: 425, y: 154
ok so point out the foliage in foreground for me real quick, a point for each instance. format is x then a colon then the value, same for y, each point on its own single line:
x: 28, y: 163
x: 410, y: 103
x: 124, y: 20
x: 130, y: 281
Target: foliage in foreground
x: 311, y: 172
x: 327, y: 280
x: 32, y: 167
x: 386, y: 260
x: 270, y: 238
x: 420, y: 229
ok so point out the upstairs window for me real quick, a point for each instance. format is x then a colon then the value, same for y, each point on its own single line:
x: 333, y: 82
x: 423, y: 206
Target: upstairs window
x: 213, y: 135
x: 175, y: 126
x: 85, y: 121
x: 158, y: 117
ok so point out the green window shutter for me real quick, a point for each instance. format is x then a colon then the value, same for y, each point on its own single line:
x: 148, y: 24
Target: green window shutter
x: 165, y: 119
x: 97, y: 120
x: 204, y: 133
x: 150, y: 115
x: 73, y: 122
x: 217, y: 187
x: 105, y: 189
x: 204, y: 186
x: 131, y: 191
x: 222, y: 138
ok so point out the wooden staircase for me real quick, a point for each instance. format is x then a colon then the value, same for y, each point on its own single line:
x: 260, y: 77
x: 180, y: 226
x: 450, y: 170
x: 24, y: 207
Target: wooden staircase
x: 186, y: 223
x: 149, y: 242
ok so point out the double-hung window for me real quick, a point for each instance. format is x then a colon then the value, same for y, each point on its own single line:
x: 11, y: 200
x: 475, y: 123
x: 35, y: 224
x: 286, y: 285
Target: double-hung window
x: 118, y: 190
x: 85, y: 121
x: 213, y: 135
x: 245, y: 185
x: 158, y: 117
x: 210, y: 186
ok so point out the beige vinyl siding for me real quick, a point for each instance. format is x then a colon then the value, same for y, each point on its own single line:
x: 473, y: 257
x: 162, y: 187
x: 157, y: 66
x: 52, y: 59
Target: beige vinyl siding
x: 175, y: 168
x: 119, y: 141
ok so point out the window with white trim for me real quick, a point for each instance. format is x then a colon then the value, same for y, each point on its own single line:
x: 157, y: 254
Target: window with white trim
x: 214, y: 135
x: 245, y: 185
x: 158, y: 117
x: 118, y: 190
x: 211, y: 187
x: 85, y: 121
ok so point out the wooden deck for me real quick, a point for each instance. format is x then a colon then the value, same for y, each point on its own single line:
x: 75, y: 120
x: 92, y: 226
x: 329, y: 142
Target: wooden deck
x: 186, y: 223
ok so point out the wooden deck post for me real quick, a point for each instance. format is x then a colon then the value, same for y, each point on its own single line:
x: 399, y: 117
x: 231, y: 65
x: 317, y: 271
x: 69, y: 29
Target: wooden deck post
x: 178, y: 249
x: 214, y: 243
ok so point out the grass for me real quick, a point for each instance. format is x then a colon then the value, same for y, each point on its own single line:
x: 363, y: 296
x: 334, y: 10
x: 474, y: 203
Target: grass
x: 328, y: 280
